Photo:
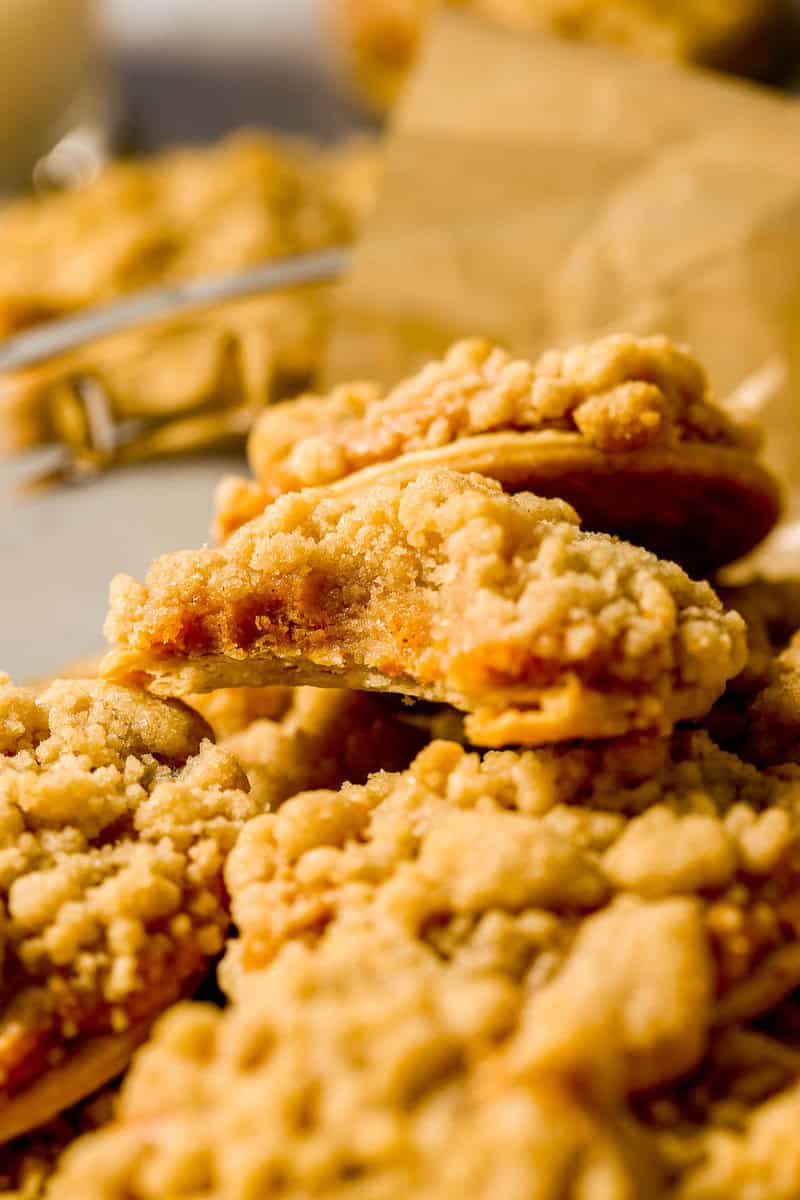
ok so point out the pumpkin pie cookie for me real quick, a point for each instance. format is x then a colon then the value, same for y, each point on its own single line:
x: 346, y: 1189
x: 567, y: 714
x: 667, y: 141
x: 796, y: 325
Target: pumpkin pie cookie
x: 625, y: 429
x: 115, y: 819
x: 498, y: 863
x: 471, y: 952
x: 445, y: 588
x: 369, y: 1060
x: 378, y: 39
x: 354, y: 1069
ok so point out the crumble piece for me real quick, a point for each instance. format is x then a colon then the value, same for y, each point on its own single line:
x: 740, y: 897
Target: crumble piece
x: 362, y: 1068
x: 443, y: 588
x: 473, y: 954
x: 323, y: 738
x: 637, y: 409
x: 509, y: 865
x: 115, y: 818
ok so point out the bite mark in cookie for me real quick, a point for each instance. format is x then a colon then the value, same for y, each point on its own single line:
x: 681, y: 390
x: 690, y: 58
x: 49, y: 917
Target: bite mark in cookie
x: 444, y: 588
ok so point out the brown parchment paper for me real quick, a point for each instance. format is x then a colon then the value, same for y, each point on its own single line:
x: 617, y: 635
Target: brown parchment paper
x: 541, y: 192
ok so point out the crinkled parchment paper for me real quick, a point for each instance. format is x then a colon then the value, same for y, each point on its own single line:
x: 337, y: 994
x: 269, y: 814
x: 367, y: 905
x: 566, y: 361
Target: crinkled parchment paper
x: 541, y: 192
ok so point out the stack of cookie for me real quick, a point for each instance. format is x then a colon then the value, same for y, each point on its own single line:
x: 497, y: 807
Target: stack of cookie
x: 504, y: 812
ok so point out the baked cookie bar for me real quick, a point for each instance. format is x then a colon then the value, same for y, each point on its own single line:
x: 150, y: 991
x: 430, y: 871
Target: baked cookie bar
x: 361, y: 1068
x: 625, y: 429
x: 378, y: 39
x: 443, y: 588
x: 115, y: 818
x: 470, y: 954
x: 497, y: 864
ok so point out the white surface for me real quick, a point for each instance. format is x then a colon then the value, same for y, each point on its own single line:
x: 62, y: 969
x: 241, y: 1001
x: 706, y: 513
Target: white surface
x: 58, y: 552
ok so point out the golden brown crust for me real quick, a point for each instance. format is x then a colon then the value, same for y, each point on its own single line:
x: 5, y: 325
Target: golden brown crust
x: 444, y: 588
x: 115, y: 818
x: 635, y: 412
x: 378, y: 38
x: 89, y: 1065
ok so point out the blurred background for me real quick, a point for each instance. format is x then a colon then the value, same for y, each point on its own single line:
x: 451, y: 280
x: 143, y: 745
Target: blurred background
x: 155, y: 73
x: 149, y: 73
x: 194, y: 68
x: 82, y: 79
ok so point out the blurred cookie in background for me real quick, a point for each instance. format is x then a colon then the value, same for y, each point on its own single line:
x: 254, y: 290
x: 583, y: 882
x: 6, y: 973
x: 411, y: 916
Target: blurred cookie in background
x: 184, y: 214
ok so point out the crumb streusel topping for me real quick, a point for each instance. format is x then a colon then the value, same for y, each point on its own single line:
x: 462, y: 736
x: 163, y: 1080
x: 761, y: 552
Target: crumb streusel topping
x: 361, y: 1068
x: 115, y: 819
x: 494, y: 863
x: 444, y: 588
x: 552, y: 960
x: 625, y: 429
x: 621, y: 394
